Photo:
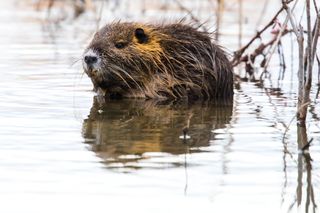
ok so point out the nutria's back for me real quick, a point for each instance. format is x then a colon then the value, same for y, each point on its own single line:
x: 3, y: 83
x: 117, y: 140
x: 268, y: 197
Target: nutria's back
x: 157, y: 61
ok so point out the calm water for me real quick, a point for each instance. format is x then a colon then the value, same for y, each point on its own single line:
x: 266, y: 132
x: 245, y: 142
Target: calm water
x: 63, y: 150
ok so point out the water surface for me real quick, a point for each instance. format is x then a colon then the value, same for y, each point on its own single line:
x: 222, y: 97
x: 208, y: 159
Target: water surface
x: 63, y: 150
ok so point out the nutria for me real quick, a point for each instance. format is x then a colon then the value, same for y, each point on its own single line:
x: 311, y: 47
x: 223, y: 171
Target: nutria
x: 172, y: 61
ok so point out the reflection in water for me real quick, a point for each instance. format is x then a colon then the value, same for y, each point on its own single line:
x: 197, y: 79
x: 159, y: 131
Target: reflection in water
x: 302, y: 200
x: 126, y: 131
x: 304, y: 166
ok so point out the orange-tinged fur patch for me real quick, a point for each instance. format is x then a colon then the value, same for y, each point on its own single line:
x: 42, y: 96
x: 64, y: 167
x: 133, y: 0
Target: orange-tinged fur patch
x: 153, y: 47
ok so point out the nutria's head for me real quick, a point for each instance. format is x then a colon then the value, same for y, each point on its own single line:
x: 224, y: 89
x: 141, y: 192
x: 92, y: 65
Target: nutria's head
x: 150, y: 61
x: 120, y: 57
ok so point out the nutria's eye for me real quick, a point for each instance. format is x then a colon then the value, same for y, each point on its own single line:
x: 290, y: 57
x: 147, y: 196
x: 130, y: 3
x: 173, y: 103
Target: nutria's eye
x: 120, y: 44
x: 141, y: 36
x: 98, y: 49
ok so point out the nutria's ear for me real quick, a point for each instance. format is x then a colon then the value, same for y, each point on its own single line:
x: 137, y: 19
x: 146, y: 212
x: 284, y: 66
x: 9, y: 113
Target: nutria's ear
x: 141, y: 36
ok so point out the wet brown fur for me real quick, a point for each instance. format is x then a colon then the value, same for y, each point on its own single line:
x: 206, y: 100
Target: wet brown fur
x: 176, y: 61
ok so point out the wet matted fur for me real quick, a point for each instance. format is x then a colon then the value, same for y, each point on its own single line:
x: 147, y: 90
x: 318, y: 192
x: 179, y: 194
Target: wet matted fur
x: 165, y: 61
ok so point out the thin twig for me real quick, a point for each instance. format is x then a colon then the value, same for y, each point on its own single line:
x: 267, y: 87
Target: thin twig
x: 238, y: 53
x: 189, y: 12
x: 290, y: 122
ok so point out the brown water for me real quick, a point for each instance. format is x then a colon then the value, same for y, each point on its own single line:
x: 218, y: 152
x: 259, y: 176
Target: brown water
x: 63, y: 150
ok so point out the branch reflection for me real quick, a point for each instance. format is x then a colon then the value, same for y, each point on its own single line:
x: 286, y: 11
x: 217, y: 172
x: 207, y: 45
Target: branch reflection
x: 306, y: 201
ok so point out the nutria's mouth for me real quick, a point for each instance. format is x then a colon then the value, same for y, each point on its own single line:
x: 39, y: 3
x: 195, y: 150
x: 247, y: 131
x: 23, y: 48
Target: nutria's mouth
x: 91, y: 72
x: 110, y: 88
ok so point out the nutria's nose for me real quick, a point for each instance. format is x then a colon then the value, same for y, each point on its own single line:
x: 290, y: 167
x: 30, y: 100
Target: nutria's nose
x: 90, y: 59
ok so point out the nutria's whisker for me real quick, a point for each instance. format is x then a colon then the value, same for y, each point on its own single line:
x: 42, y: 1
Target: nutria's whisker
x: 75, y: 61
x: 117, y: 68
x: 115, y: 71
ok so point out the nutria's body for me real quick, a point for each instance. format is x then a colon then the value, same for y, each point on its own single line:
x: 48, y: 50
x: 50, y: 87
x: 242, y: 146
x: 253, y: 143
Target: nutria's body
x: 157, y: 61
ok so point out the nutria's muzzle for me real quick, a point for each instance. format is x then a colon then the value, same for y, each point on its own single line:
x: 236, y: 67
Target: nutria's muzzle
x: 91, y: 63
